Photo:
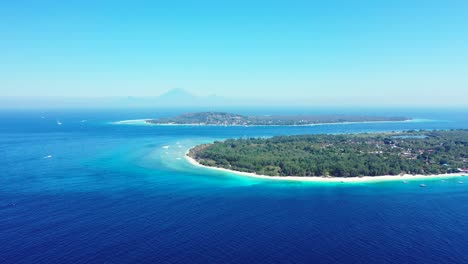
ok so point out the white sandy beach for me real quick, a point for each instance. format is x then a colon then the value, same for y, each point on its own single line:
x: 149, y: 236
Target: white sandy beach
x: 131, y: 122
x: 363, y: 179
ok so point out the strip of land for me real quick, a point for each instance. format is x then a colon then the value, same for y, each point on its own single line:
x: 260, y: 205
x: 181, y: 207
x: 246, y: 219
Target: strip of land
x: 358, y: 157
x: 229, y: 119
x: 362, y: 179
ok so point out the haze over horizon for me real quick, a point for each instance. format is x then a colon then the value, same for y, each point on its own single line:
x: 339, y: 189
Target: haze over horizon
x: 396, y: 53
x: 181, y: 98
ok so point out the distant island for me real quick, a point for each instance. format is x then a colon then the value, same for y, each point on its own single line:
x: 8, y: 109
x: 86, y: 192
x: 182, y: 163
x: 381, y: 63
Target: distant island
x: 347, y: 155
x: 229, y: 119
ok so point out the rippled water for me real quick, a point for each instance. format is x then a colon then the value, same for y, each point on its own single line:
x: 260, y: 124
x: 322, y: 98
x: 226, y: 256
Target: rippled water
x: 124, y: 194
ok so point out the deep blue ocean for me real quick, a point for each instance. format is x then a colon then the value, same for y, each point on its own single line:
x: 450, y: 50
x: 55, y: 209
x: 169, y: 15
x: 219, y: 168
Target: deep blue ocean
x: 89, y: 191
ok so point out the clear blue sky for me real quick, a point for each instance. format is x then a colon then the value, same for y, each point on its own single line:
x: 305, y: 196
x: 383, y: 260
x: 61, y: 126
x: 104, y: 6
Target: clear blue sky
x: 304, y: 49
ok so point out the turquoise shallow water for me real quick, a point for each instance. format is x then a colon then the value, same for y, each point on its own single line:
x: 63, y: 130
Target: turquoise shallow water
x: 124, y: 194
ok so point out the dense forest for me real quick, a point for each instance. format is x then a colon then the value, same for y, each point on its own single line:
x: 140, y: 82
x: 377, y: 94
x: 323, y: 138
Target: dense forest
x: 347, y: 155
x: 229, y: 119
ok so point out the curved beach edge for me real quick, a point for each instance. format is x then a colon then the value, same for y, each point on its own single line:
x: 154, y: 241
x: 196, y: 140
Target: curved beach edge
x: 362, y: 179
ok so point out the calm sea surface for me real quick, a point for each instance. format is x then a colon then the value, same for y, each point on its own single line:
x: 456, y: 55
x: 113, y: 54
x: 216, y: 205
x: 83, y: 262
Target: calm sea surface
x: 88, y: 191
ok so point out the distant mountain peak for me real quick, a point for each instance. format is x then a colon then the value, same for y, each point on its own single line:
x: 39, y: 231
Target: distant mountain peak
x: 178, y: 94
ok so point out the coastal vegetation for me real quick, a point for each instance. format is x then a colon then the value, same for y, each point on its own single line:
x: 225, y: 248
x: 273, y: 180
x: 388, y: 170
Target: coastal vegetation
x: 229, y: 119
x: 346, y: 155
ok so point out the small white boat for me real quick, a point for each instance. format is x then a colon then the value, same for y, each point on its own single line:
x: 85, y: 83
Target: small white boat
x: 59, y: 123
x: 47, y: 157
x: 422, y: 185
x: 460, y: 182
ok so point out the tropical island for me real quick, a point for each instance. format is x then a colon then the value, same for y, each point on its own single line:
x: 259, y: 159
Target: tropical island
x: 229, y: 119
x: 346, y: 155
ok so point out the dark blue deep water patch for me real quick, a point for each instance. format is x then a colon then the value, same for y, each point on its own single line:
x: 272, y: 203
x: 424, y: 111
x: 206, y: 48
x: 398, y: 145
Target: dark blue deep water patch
x: 91, y: 192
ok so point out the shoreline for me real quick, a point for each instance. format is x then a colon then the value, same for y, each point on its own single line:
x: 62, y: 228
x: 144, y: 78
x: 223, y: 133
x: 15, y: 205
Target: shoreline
x: 362, y: 179
x: 130, y: 122
x: 145, y: 122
